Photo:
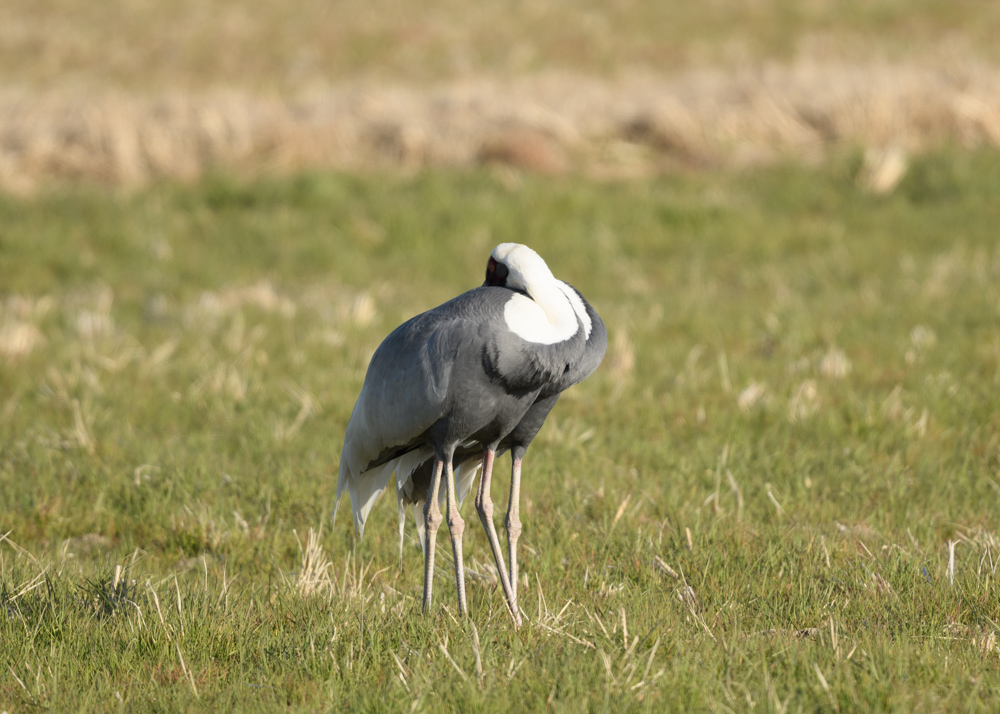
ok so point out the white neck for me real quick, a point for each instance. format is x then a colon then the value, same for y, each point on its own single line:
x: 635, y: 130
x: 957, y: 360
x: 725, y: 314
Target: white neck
x: 546, y: 316
x: 578, y: 307
x: 551, y: 311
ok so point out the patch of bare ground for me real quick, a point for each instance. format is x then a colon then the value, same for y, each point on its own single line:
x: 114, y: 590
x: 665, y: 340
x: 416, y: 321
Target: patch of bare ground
x: 635, y: 126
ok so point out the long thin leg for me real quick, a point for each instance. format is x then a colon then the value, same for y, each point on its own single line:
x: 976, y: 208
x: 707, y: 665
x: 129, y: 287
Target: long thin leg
x: 513, y: 525
x: 432, y: 521
x: 456, y: 526
x: 484, y: 506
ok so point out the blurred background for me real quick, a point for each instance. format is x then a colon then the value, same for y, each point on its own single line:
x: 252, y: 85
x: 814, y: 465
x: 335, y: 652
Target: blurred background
x: 125, y: 91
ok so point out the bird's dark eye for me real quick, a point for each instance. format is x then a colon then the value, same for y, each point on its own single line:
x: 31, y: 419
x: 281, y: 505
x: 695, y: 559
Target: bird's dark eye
x: 496, y: 273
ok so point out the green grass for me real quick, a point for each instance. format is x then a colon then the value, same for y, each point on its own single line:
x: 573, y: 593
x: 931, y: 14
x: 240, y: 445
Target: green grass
x: 797, y: 415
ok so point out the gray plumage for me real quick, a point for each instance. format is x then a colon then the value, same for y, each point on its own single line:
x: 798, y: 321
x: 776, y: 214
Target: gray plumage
x: 474, y: 376
x: 451, y: 375
x: 412, y: 487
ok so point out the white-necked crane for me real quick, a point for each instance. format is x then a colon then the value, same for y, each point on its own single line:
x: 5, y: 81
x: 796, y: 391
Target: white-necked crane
x: 450, y: 388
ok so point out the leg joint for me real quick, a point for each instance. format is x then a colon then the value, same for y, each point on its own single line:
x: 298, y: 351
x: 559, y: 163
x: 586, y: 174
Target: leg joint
x: 433, y: 518
x: 485, y: 507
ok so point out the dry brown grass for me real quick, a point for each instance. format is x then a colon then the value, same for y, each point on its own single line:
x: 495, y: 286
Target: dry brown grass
x: 634, y: 126
x: 289, y: 45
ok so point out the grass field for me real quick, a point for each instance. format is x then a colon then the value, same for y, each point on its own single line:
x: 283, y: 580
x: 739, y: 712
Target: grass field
x: 779, y: 492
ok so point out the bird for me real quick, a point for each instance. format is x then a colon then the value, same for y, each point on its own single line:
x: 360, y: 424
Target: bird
x: 453, y: 387
x: 411, y: 489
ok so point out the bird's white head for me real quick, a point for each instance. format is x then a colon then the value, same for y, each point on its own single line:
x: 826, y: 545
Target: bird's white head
x: 552, y: 310
x: 517, y: 267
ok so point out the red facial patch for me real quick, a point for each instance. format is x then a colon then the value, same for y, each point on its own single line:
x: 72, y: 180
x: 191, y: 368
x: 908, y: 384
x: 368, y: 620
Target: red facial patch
x: 496, y: 273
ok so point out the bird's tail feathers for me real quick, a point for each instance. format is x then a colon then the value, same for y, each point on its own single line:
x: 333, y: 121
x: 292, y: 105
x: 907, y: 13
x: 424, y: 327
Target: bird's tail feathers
x: 465, y: 477
x: 402, y: 530
x: 404, y: 467
x: 364, y: 489
x: 418, y: 518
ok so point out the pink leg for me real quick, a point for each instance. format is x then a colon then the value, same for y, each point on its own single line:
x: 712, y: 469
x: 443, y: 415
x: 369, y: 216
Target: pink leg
x: 513, y: 525
x: 432, y: 520
x: 456, y: 526
x: 484, y: 506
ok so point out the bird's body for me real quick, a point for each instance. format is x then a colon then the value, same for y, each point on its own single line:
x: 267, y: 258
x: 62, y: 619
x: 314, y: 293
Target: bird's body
x: 449, y: 376
x: 454, y: 385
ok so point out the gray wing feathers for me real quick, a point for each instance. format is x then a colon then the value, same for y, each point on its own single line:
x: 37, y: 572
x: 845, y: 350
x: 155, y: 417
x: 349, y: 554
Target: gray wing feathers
x: 404, y: 394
